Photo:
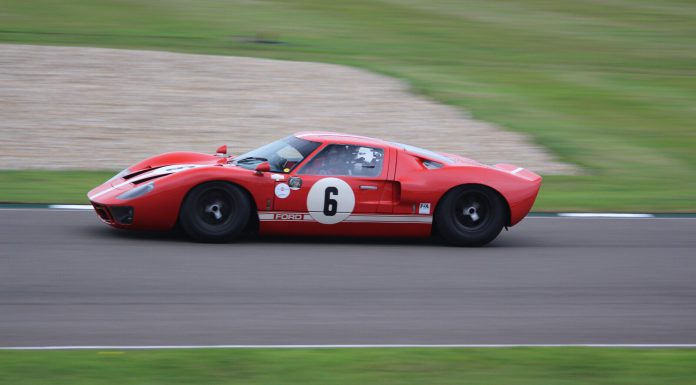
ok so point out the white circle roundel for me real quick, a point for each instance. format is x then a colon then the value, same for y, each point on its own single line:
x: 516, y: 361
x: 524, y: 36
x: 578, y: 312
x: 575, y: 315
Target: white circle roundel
x: 282, y: 190
x: 330, y: 201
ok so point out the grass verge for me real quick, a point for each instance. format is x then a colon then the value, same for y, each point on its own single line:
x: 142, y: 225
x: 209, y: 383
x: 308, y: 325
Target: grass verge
x: 49, y: 186
x: 511, y: 366
x: 607, y: 85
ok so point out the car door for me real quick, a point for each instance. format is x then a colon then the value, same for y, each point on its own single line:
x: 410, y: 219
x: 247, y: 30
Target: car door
x: 331, y: 192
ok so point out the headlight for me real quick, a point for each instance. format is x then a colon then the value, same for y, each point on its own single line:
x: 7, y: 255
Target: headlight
x: 119, y: 175
x: 137, y: 192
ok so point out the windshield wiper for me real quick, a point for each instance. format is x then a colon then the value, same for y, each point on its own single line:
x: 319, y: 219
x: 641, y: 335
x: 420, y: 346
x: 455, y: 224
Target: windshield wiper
x: 250, y: 159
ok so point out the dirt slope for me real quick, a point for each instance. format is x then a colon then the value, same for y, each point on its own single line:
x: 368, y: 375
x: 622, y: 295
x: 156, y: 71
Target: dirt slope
x: 92, y: 108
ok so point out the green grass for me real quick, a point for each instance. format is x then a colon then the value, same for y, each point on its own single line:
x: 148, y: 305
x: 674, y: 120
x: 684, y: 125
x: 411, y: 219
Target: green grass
x: 606, y: 84
x: 48, y: 186
x: 514, y: 366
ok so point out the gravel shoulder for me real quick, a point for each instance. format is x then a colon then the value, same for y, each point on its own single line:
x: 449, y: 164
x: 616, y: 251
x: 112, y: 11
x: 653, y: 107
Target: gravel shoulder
x: 94, y: 108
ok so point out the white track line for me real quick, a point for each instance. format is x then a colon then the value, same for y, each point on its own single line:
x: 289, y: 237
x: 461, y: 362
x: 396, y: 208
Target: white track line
x: 71, y: 207
x: 368, y: 346
x: 605, y: 215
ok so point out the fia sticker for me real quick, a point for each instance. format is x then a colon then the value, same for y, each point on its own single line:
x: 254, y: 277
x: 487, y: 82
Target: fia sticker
x: 424, y: 208
x: 330, y: 201
x: 282, y: 190
x: 277, y: 177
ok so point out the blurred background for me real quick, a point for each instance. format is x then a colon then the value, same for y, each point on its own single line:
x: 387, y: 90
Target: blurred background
x: 599, y: 96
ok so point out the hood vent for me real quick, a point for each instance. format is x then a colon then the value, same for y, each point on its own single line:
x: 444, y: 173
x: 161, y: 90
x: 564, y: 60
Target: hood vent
x: 149, y: 178
x: 136, y: 173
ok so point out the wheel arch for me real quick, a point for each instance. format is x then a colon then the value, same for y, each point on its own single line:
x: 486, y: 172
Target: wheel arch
x: 506, y: 205
x: 253, y: 222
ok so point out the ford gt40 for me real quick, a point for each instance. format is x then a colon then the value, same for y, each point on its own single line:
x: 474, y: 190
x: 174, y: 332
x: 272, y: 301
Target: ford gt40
x: 319, y: 183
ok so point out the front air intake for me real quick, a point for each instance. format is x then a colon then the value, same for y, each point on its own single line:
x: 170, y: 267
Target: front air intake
x: 103, y: 213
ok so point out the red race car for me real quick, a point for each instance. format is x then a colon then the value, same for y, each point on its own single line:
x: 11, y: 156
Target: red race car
x: 320, y: 183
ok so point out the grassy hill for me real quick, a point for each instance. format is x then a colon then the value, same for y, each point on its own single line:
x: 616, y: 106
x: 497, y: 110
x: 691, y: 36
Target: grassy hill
x: 607, y: 84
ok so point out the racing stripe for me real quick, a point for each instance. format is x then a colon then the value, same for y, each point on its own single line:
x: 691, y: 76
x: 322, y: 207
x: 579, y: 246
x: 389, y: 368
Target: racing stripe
x: 112, y: 188
x: 287, y: 216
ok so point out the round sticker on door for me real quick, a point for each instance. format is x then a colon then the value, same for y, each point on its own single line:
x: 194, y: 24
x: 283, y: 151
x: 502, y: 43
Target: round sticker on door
x: 282, y: 190
x: 330, y: 201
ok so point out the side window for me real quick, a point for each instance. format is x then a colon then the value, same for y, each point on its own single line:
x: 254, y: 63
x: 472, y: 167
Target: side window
x: 342, y: 159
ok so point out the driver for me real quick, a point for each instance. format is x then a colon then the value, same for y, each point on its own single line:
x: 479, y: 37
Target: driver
x: 335, y: 161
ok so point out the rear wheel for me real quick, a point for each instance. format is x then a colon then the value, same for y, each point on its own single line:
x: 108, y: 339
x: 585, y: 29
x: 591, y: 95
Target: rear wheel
x: 470, y: 215
x: 215, y: 212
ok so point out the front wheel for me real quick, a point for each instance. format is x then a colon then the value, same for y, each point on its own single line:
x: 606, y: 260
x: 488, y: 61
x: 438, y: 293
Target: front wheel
x: 215, y: 212
x: 470, y: 216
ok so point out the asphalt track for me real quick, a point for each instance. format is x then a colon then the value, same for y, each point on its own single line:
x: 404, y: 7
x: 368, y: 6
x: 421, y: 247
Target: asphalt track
x: 67, y: 279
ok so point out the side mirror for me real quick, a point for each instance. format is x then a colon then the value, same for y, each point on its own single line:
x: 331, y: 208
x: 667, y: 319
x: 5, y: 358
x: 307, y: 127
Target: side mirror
x: 262, y: 167
x: 221, y: 151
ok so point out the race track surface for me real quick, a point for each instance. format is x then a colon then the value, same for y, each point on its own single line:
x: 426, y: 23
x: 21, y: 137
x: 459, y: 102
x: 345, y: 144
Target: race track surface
x: 67, y: 279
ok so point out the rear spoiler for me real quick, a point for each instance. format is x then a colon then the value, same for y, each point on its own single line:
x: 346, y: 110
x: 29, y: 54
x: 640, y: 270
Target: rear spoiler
x: 518, y: 171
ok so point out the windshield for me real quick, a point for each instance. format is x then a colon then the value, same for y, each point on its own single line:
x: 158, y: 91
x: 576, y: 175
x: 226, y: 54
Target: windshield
x: 426, y: 153
x: 282, y: 155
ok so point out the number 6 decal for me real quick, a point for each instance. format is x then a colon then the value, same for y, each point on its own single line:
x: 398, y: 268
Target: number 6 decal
x: 330, y: 201
x: 330, y: 205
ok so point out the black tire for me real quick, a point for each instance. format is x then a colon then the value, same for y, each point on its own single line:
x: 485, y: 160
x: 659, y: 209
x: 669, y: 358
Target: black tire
x: 470, y: 215
x: 215, y: 212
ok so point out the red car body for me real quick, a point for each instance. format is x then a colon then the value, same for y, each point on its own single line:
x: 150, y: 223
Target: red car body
x: 400, y: 201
